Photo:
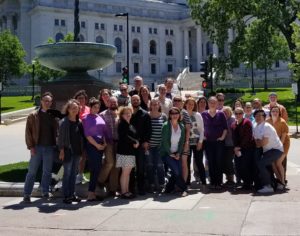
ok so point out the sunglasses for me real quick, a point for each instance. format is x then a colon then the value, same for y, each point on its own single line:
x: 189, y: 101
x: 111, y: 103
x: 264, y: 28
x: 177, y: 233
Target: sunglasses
x: 238, y: 113
x: 123, y: 89
x: 177, y: 100
x: 174, y: 113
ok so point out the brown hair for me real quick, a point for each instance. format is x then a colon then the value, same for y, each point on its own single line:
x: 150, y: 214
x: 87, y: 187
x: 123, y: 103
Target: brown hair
x: 193, y: 100
x: 93, y: 101
x: 278, y: 110
x: 66, y: 107
x: 123, y: 110
x: 79, y: 93
x: 155, y: 100
x: 177, y: 110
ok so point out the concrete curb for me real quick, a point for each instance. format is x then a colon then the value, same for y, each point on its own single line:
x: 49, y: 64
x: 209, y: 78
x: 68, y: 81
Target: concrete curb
x: 16, y: 116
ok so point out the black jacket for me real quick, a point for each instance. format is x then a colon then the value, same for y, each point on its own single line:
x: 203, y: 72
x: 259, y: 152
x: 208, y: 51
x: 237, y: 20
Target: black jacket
x: 142, y: 122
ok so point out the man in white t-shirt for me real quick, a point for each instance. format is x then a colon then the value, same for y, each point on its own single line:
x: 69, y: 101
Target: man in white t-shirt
x: 266, y: 138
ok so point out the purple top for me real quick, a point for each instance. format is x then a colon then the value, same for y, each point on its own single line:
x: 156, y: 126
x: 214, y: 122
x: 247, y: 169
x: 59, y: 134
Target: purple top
x: 95, y: 127
x: 214, y: 126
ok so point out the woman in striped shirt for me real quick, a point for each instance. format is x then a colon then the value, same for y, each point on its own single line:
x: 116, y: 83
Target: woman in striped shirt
x: 154, y: 162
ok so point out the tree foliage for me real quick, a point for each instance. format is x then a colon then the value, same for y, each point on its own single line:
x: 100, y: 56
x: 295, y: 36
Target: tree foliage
x: 270, y: 17
x: 12, y: 57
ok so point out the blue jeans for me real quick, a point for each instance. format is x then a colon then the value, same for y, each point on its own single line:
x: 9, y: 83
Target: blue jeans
x: 69, y: 179
x: 155, y: 166
x: 42, y: 154
x: 176, y: 174
x: 267, y: 159
x: 95, y: 164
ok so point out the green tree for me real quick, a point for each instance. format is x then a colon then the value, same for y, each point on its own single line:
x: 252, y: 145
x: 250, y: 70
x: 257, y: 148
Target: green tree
x: 261, y: 45
x: 12, y: 57
x: 218, y: 16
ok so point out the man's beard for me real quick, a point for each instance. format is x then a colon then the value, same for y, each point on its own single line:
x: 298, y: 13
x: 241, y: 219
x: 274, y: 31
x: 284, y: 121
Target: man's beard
x: 114, y: 108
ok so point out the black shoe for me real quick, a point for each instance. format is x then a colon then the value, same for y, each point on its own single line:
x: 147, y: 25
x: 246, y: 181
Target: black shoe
x: 142, y: 193
x: 67, y: 200
x: 47, y: 196
x: 26, y: 199
x: 75, y: 199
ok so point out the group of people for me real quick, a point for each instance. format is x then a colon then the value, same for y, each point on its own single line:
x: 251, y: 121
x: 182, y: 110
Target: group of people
x: 135, y: 143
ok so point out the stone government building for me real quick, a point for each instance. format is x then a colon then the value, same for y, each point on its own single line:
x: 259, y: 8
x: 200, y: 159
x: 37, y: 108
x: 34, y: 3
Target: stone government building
x: 162, y: 35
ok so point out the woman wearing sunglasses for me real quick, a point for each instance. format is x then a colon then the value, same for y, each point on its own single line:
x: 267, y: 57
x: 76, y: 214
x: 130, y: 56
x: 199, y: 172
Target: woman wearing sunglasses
x: 173, y: 137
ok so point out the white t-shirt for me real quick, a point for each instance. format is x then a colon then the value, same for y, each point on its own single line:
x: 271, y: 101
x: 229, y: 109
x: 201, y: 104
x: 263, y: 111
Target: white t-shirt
x: 175, y: 137
x: 265, y: 130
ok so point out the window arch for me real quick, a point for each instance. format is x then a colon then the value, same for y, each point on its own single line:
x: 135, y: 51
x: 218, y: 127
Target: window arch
x: 99, y: 39
x: 135, y: 46
x: 169, y: 49
x: 118, y: 44
x: 81, y: 38
x: 59, y: 37
x: 152, y: 47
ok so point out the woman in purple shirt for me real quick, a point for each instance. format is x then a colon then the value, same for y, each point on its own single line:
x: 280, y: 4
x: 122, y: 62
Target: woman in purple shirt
x: 215, y: 130
x: 96, y: 133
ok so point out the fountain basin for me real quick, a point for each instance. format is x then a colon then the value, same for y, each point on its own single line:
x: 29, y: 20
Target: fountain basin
x: 75, y: 56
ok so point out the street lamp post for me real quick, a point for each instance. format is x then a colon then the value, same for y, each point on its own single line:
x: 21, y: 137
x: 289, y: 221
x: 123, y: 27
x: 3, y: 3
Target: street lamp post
x: 252, y: 78
x: 32, y: 76
x: 186, y: 58
x: 127, y: 38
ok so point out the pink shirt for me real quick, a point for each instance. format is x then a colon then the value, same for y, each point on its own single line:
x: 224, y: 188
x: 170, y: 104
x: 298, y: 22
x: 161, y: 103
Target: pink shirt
x: 83, y: 112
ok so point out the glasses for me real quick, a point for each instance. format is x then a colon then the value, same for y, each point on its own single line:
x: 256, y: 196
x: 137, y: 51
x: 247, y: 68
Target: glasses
x: 174, y: 113
x: 220, y: 100
x: 123, y: 90
x: 177, y: 100
x: 238, y: 113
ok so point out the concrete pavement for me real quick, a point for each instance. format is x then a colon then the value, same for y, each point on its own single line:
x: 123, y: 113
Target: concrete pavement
x: 214, y: 213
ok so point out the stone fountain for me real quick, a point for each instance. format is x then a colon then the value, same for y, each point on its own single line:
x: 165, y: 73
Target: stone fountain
x: 76, y: 58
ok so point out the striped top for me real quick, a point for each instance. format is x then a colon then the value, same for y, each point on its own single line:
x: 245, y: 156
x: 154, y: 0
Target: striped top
x: 156, y: 128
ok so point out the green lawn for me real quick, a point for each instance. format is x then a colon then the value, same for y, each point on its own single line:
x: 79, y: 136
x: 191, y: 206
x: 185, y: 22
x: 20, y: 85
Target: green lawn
x: 285, y: 97
x: 17, y: 172
x: 15, y: 103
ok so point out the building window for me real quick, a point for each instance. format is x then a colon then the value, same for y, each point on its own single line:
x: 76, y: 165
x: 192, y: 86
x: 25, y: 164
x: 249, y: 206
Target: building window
x: 96, y: 26
x: 118, y: 44
x: 167, y: 32
x: 59, y: 37
x: 135, y: 46
x: 153, y: 68
x: 63, y: 23
x: 102, y: 26
x: 169, y: 49
x: 82, y: 24
x: 132, y: 29
x: 190, y: 34
x: 138, y: 29
x: 81, y: 38
x: 115, y: 28
x: 171, y: 32
x: 277, y: 64
x: 99, y: 39
x: 120, y: 27
x: 118, y: 67
x: 56, y: 22
x: 170, y: 68
x: 136, y: 68
x: 209, y: 48
x: 155, y: 30
x: 150, y: 30
x: 152, y: 47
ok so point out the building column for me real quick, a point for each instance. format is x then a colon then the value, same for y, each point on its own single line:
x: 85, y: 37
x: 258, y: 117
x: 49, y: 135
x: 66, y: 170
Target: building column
x: 199, y: 47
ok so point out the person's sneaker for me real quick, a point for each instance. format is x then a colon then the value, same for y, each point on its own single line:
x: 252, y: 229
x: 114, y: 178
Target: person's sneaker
x: 47, y: 196
x: 75, y: 199
x: 229, y: 183
x: 184, y: 194
x: 280, y: 187
x: 266, y: 189
x: 79, y: 178
x: 67, y: 200
x: 58, y: 186
x: 26, y: 199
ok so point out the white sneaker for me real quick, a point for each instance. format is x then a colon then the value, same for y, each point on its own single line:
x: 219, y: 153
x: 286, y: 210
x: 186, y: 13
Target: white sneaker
x: 184, y: 194
x: 79, y: 178
x: 266, y: 189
